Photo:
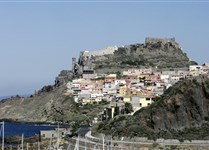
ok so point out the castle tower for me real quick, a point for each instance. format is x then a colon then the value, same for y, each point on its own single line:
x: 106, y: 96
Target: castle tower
x: 80, y: 60
x: 73, y: 63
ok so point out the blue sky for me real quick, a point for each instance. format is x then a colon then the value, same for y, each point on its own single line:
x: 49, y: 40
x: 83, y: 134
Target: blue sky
x: 38, y: 39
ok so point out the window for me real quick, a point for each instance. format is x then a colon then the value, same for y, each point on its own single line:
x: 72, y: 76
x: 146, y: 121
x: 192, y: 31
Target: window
x: 148, y: 104
x: 147, y: 99
x: 43, y: 135
x: 140, y: 104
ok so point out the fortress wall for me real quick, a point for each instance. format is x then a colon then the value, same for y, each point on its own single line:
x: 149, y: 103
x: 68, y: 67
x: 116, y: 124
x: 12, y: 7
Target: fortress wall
x: 163, y: 40
x: 154, y: 40
x: 106, y: 51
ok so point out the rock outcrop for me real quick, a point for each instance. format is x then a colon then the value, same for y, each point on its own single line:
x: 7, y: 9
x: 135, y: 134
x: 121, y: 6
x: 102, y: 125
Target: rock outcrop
x: 63, y: 77
x: 155, y: 52
x: 183, y: 106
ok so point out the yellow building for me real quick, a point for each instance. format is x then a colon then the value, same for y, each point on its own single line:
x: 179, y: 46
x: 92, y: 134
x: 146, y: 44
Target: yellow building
x: 146, y: 100
x: 121, y: 90
x: 194, y: 73
x: 139, y: 101
x: 127, y: 99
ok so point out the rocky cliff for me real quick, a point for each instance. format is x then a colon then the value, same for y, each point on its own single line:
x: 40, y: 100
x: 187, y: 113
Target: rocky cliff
x: 182, y: 112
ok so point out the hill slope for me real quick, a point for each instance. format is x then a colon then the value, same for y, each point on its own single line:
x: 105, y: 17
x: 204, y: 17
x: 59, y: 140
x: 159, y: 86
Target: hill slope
x: 181, y: 112
x: 49, y: 105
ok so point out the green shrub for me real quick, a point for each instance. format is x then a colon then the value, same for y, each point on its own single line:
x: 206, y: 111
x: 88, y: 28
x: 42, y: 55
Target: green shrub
x: 120, y: 118
x: 207, y: 84
x: 133, y: 62
x: 155, y: 145
x: 195, y: 82
x: 181, y: 139
x: 173, y: 147
x: 168, y: 91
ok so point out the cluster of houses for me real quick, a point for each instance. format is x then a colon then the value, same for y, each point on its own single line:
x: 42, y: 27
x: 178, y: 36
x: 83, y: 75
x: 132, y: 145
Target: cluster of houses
x: 139, y: 87
x: 56, y: 133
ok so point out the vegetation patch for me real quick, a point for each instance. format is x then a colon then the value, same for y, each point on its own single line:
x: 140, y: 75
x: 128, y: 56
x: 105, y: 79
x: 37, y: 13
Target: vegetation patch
x: 133, y: 62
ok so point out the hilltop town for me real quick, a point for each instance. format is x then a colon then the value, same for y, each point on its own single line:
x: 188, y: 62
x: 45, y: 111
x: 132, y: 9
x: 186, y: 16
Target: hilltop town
x: 138, y: 85
x: 110, y: 81
x: 145, y: 91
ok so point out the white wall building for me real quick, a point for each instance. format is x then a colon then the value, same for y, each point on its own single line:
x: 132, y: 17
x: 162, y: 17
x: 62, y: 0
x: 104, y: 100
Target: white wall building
x: 120, y: 82
x: 195, y: 67
x: 165, y: 77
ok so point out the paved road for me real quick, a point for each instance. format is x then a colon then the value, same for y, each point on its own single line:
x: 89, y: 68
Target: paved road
x: 159, y: 141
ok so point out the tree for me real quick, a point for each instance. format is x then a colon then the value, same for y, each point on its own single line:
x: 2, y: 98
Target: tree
x: 119, y: 75
x: 128, y: 108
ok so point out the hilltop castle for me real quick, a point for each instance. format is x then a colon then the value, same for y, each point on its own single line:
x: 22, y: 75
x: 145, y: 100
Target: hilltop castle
x: 160, y: 52
x: 84, y: 65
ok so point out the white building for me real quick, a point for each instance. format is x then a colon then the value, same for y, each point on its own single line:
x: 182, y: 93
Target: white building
x: 122, y: 81
x: 195, y: 67
x: 165, y: 77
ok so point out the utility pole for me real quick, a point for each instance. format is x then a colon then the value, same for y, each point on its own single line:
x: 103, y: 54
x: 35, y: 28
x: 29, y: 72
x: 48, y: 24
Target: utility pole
x: 50, y: 142
x: 58, y: 138
x: 69, y: 147
x: 38, y: 145
x: 164, y: 145
x: 103, y: 142
x: 3, y: 135
x: 111, y: 143
x: 27, y: 146
x: 22, y: 141
x: 2, y: 127
x: 77, y: 144
x: 85, y: 142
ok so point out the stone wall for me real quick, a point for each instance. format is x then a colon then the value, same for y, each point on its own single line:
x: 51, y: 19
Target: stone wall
x: 163, y: 40
x: 105, y: 51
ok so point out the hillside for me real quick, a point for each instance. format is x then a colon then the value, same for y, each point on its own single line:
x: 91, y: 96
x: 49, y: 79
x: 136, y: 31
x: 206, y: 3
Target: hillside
x: 51, y: 105
x: 48, y: 105
x: 182, y: 112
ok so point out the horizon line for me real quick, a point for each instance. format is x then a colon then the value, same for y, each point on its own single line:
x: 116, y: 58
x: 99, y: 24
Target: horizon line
x: 103, y: 1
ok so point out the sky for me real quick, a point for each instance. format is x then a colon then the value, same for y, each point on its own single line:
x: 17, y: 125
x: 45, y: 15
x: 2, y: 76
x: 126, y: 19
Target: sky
x: 39, y: 38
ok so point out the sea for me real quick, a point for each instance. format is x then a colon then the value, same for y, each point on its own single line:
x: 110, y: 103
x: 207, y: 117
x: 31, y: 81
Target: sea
x: 6, y: 97
x: 27, y: 129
